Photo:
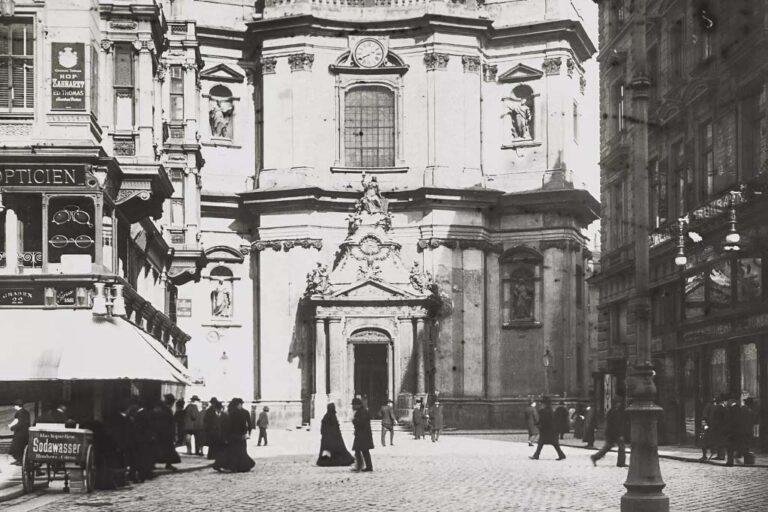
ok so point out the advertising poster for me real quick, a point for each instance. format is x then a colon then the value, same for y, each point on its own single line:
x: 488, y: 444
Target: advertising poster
x: 67, y: 76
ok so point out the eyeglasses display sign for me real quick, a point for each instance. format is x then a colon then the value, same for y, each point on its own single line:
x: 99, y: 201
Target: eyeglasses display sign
x: 70, y: 227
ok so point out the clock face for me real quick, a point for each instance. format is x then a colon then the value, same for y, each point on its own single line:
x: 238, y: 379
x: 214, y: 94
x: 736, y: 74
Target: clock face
x: 369, y: 53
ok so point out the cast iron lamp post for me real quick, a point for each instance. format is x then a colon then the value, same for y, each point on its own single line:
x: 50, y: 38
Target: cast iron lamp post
x: 644, y: 483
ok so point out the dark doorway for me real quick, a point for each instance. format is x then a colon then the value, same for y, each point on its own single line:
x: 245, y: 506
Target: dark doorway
x: 371, y: 376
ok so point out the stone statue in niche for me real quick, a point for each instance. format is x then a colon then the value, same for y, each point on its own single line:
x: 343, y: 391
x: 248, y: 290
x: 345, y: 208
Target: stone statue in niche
x: 220, y: 118
x: 317, y: 280
x: 522, y: 297
x: 221, y: 299
x: 519, y: 108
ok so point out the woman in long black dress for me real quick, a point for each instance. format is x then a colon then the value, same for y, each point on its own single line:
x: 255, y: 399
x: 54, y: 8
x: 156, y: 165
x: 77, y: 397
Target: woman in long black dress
x: 165, y: 433
x: 236, y: 426
x: 333, y: 451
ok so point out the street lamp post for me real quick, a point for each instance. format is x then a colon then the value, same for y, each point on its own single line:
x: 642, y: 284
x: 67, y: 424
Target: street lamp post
x: 644, y: 483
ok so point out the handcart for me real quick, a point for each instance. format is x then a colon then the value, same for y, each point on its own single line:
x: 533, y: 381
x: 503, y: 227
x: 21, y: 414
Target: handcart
x: 55, y: 452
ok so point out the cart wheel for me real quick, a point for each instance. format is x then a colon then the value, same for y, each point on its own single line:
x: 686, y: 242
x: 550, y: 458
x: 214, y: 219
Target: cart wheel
x: 27, y: 471
x: 90, y: 473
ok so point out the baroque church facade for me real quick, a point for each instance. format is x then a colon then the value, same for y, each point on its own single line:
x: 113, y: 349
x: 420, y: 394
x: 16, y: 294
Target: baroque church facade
x: 378, y: 198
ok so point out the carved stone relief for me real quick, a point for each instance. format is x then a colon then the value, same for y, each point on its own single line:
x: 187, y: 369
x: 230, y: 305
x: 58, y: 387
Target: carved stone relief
x: 552, y: 65
x: 435, y: 60
x: 470, y: 63
x: 301, y: 61
x: 489, y: 72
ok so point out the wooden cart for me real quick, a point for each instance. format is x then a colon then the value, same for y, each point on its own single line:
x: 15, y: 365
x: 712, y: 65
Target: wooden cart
x: 60, y: 451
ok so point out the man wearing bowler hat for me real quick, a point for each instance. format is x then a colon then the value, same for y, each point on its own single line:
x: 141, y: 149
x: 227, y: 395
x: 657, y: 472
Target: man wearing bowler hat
x: 363, y: 437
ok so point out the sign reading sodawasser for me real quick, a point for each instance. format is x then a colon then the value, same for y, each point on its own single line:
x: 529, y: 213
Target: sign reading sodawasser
x: 58, y: 446
x: 67, y: 76
x: 41, y: 175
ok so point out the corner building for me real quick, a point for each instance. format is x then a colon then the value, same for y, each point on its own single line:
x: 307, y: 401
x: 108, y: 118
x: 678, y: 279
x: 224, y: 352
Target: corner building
x: 387, y: 205
x: 707, y: 156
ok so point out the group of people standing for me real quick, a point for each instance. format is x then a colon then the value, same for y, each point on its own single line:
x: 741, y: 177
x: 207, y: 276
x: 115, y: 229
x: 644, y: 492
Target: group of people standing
x: 427, y: 419
x: 727, y: 429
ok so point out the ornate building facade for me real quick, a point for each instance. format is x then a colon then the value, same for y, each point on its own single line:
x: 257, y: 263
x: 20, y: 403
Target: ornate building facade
x: 707, y: 157
x: 387, y: 205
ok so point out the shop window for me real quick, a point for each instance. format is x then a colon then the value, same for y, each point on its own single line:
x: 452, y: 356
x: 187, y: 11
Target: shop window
x: 720, y: 286
x: 71, y: 229
x: 221, y: 293
x: 718, y: 371
x: 749, y: 377
x: 30, y: 214
x: 124, y: 86
x: 177, y: 199
x: 17, y: 65
x: 177, y: 93
x: 369, y: 127
x: 108, y: 239
x: 749, y: 280
x: 695, y: 296
x: 3, y: 255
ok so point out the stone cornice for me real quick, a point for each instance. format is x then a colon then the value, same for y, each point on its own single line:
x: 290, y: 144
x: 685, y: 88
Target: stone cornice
x: 287, y: 244
x: 458, y: 243
x: 562, y: 244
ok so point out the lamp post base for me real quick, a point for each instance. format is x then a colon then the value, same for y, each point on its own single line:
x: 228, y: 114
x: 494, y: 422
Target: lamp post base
x: 644, y: 483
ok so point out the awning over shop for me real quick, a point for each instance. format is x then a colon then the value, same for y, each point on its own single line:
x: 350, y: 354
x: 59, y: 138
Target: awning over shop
x: 39, y: 345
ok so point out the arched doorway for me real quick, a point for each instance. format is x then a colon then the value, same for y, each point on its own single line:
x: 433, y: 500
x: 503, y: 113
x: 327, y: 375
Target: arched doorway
x: 372, y: 367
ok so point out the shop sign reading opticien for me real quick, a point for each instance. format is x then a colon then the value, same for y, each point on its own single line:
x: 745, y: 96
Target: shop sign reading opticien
x: 41, y: 175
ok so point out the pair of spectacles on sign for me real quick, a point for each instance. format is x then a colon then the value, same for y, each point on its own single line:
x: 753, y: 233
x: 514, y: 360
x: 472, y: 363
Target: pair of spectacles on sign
x: 62, y: 241
x: 72, y: 213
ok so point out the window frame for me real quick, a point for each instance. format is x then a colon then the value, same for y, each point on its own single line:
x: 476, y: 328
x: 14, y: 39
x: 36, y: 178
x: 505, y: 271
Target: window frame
x: 124, y: 89
x: 346, y: 82
x: 176, y: 92
x: 10, y: 109
x: 356, y: 156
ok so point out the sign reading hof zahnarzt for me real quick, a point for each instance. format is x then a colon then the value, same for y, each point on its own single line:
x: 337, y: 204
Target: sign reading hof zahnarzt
x: 41, y: 175
x: 67, y: 76
x: 57, y: 446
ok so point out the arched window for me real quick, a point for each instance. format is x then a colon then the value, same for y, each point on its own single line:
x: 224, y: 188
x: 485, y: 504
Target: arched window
x: 369, y: 127
x: 221, y: 107
x: 520, y: 286
x: 221, y: 292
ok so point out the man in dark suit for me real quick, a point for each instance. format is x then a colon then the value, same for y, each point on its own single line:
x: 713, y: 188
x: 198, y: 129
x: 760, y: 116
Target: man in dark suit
x: 20, y: 428
x: 547, y: 430
x: 614, y: 434
x: 363, y: 437
x: 388, y: 421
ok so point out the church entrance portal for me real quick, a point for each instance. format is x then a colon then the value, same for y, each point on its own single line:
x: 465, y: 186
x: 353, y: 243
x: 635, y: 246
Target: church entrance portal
x: 371, y: 375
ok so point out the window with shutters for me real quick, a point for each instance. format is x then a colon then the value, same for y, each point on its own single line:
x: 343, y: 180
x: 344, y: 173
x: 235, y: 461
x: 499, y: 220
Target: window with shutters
x: 369, y: 127
x: 17, y: 69
x: 124, y: 86
x: 177, y: 93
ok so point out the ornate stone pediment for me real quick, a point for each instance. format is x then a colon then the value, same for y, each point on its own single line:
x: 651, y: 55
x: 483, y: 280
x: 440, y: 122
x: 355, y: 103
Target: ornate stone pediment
x: 520, y: 73
x: 372, y: 290
x: 222, y: 73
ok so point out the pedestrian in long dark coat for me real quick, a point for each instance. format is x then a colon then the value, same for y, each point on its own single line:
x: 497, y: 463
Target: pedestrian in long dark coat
x: 590, y: 423
x: 561, y: 420
x: 165, y: 430
x: 212, y: 427
x: 418, y: 422
x: 718, y: 426
x: 333, y: 451
x: 178, y: 419
x: 20, y: 428
x: 531, y: 420
x: 435, y: 421
x: 547, y: 430
x: 614, y: 434
x: 193, y: 424
x: 236, y: 426
x: 363, y: 437
x: 738, y: 431
x: 578, y: 422
x: 145, y: 441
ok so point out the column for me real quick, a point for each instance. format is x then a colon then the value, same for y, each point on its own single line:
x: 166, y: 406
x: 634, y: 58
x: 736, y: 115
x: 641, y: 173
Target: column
x: 391, y: 364
x: 420, y: 371
x: 337, y: 369
x: 11, y: 242
x: 403, y: 353
x: 321, y: 396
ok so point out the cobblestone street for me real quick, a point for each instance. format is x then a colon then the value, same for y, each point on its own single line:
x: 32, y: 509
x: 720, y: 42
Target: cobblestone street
x: 458, y: 473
